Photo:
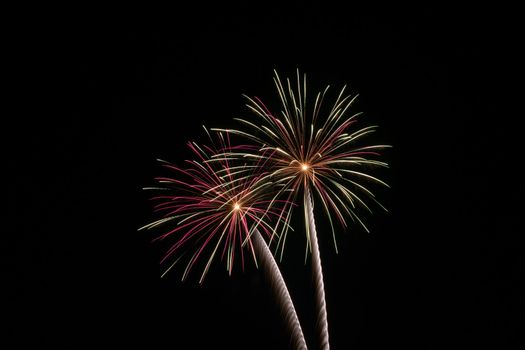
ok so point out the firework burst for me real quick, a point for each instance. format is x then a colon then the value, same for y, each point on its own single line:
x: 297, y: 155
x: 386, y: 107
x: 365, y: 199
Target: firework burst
x: 220, y: 205
x: 315, y: 150
x: 213, y: 205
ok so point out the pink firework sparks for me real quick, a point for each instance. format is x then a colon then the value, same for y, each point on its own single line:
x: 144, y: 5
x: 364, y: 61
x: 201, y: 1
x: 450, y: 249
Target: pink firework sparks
x: 213, y: 204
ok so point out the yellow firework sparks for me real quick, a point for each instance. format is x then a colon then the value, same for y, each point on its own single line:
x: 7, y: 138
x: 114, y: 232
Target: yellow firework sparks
x: 310, y: 146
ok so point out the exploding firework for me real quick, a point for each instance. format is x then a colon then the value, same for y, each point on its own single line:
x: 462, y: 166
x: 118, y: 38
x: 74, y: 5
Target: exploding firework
x: 220, y: 206
x: 213, y: 206
x: 315, y: 150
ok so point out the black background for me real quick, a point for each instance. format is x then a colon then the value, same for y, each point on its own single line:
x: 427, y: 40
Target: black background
x: 111, y: 91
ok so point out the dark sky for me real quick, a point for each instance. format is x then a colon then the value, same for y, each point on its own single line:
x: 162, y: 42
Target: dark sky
x: 119, y: 89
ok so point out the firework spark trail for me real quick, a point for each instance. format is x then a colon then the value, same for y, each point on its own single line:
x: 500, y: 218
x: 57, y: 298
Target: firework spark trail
x: 214, y: 201
x: 317, y: 272
x: 314, y: 153
x: 281, y: 292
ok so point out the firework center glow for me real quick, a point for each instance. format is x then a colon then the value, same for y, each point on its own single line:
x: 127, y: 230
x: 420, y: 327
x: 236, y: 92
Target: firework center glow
x: 236, y: 206
x: 304, y: 167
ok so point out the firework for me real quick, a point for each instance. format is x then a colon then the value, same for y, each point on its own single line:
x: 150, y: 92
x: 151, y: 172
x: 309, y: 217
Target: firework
x: 217, y: 205
x: 318, y: 151
x: 213, y: 206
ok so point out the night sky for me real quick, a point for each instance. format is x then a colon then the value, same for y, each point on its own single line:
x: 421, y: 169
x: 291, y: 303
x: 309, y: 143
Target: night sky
x: 115, y: 90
